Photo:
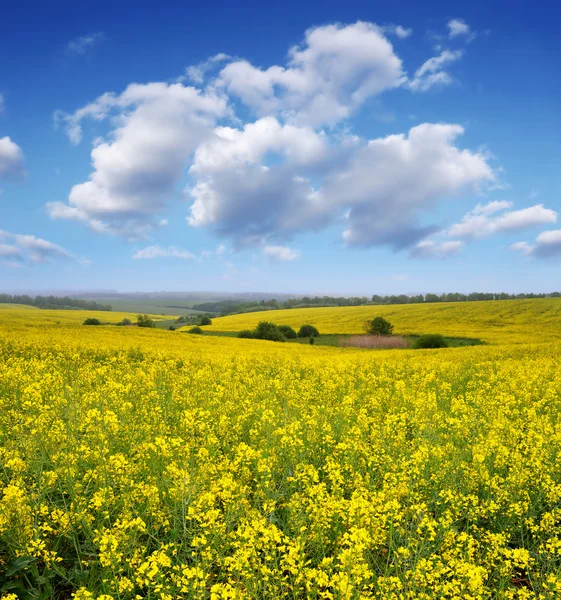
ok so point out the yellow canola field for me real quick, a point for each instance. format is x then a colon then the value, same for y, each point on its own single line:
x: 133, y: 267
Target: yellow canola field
x: 509, y: 321
x: 159, y: 465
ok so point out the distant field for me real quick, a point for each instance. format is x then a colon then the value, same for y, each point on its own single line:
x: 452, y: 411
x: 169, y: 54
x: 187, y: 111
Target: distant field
x: 151, y: 306
x: 513, y: 321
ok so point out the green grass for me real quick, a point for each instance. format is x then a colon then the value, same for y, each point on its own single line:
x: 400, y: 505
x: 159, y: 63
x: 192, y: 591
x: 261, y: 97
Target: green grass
x: 333, y: 339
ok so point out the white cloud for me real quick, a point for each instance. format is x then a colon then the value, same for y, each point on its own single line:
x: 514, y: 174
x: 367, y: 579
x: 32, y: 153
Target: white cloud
x: 483, y: 221
x: 151, y: 252
x: 458, y: 28
x: 197, y: 73
x: 29, y: 249
x: 336, y: 70
x: 401, y: 32
x: 432, y: 72
x: 547, y: 245
x: 11, y: 158
x: 430, y: 249
x: 280, y: 253
x: 382, y: 185
x: 81, y: 45
x: 137, y: 169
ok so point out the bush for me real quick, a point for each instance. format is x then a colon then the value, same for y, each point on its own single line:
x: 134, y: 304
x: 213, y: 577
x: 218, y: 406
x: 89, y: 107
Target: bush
x: 246, y: 334
x: 312, y: 340
x: 288, y: 332
x: 195, y: 329
x: 205, y: 320
x: 171, y: 328
x: 308, y: 331
x: 378, y: 326
x: 125, y: 321
x: 430, y: 341
x: 268, y: 331
x: 91, y: 321
x: 144, y: 321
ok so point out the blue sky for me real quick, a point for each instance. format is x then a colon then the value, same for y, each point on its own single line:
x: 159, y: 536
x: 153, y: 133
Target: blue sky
x: 349, y: 148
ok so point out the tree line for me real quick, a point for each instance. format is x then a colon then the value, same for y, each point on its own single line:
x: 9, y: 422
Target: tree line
x: 53, y: 302
x: 232, y: 307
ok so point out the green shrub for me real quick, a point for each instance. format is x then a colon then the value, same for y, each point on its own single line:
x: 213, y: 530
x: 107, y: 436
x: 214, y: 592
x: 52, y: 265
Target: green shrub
x: 378, y: 326
x: 144, y: 321
x: 171, y: 328
x: 246, y: 334
x: 195, y: 329
x: 125, y: 321
x: 312, y: 340
x: 307, y: 331
x: 268, y: 331
x: 205, y: 320
x: 288, y: 332
x: 91, y: 321
x: 430, y: 341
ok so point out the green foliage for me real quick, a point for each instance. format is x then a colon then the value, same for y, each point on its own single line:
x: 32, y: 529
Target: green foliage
x: 307, y: 331
x: 92, y: 321
x: 430, y: 341
x: 195, y: 329
x: 171, y: 328
x: 268, y: 331
x: 247, y: 334
x: 312, y: 340
x: 144, y: 321
x: 378, y: 326
x: 205, y: 320
x: 124, y: 322
x: 288, y: 332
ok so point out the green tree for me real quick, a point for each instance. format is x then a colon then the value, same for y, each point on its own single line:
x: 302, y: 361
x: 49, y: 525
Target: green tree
x: 205, y: 320
x: 144, y: 321
x: 307, y: 331
x: 92, y: 321
x: 378, y: 326
x: 288, y: 332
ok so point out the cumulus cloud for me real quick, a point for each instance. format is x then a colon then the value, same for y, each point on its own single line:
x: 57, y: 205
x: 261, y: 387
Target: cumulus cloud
x: 263, y: 182
x: 81, y: 45
x: 280, y: 253
x: 547, y: 245
x: 138, y: 167
x: 11, y: 158
x: 156, y: 251
x: 334, y: 71
x: 19, y: 249
x: 484, y: 221
x: 381, y: 185
x: 432, y: 72
x: 458, y: 28
x: 431, y: 249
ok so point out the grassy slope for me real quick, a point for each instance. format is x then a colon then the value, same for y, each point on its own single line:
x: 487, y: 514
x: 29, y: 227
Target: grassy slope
x: 510, y: 321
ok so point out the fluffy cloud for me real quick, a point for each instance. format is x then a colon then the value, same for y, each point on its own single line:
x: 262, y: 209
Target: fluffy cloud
x: 159, y: 126
x: 389, y: 181
x: 431, y: 249
x: 11, y: 158
x: 263, y: 182
x: 483, y: 221
x: 432, y: 73
x: 280, y: 253
x: 381, y: 185
x: 330, y: 75
x: 156, y: 251
x: 547, y: 245
x: 84, y: 43
x: 458, y: 28
x: 20, y: 249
